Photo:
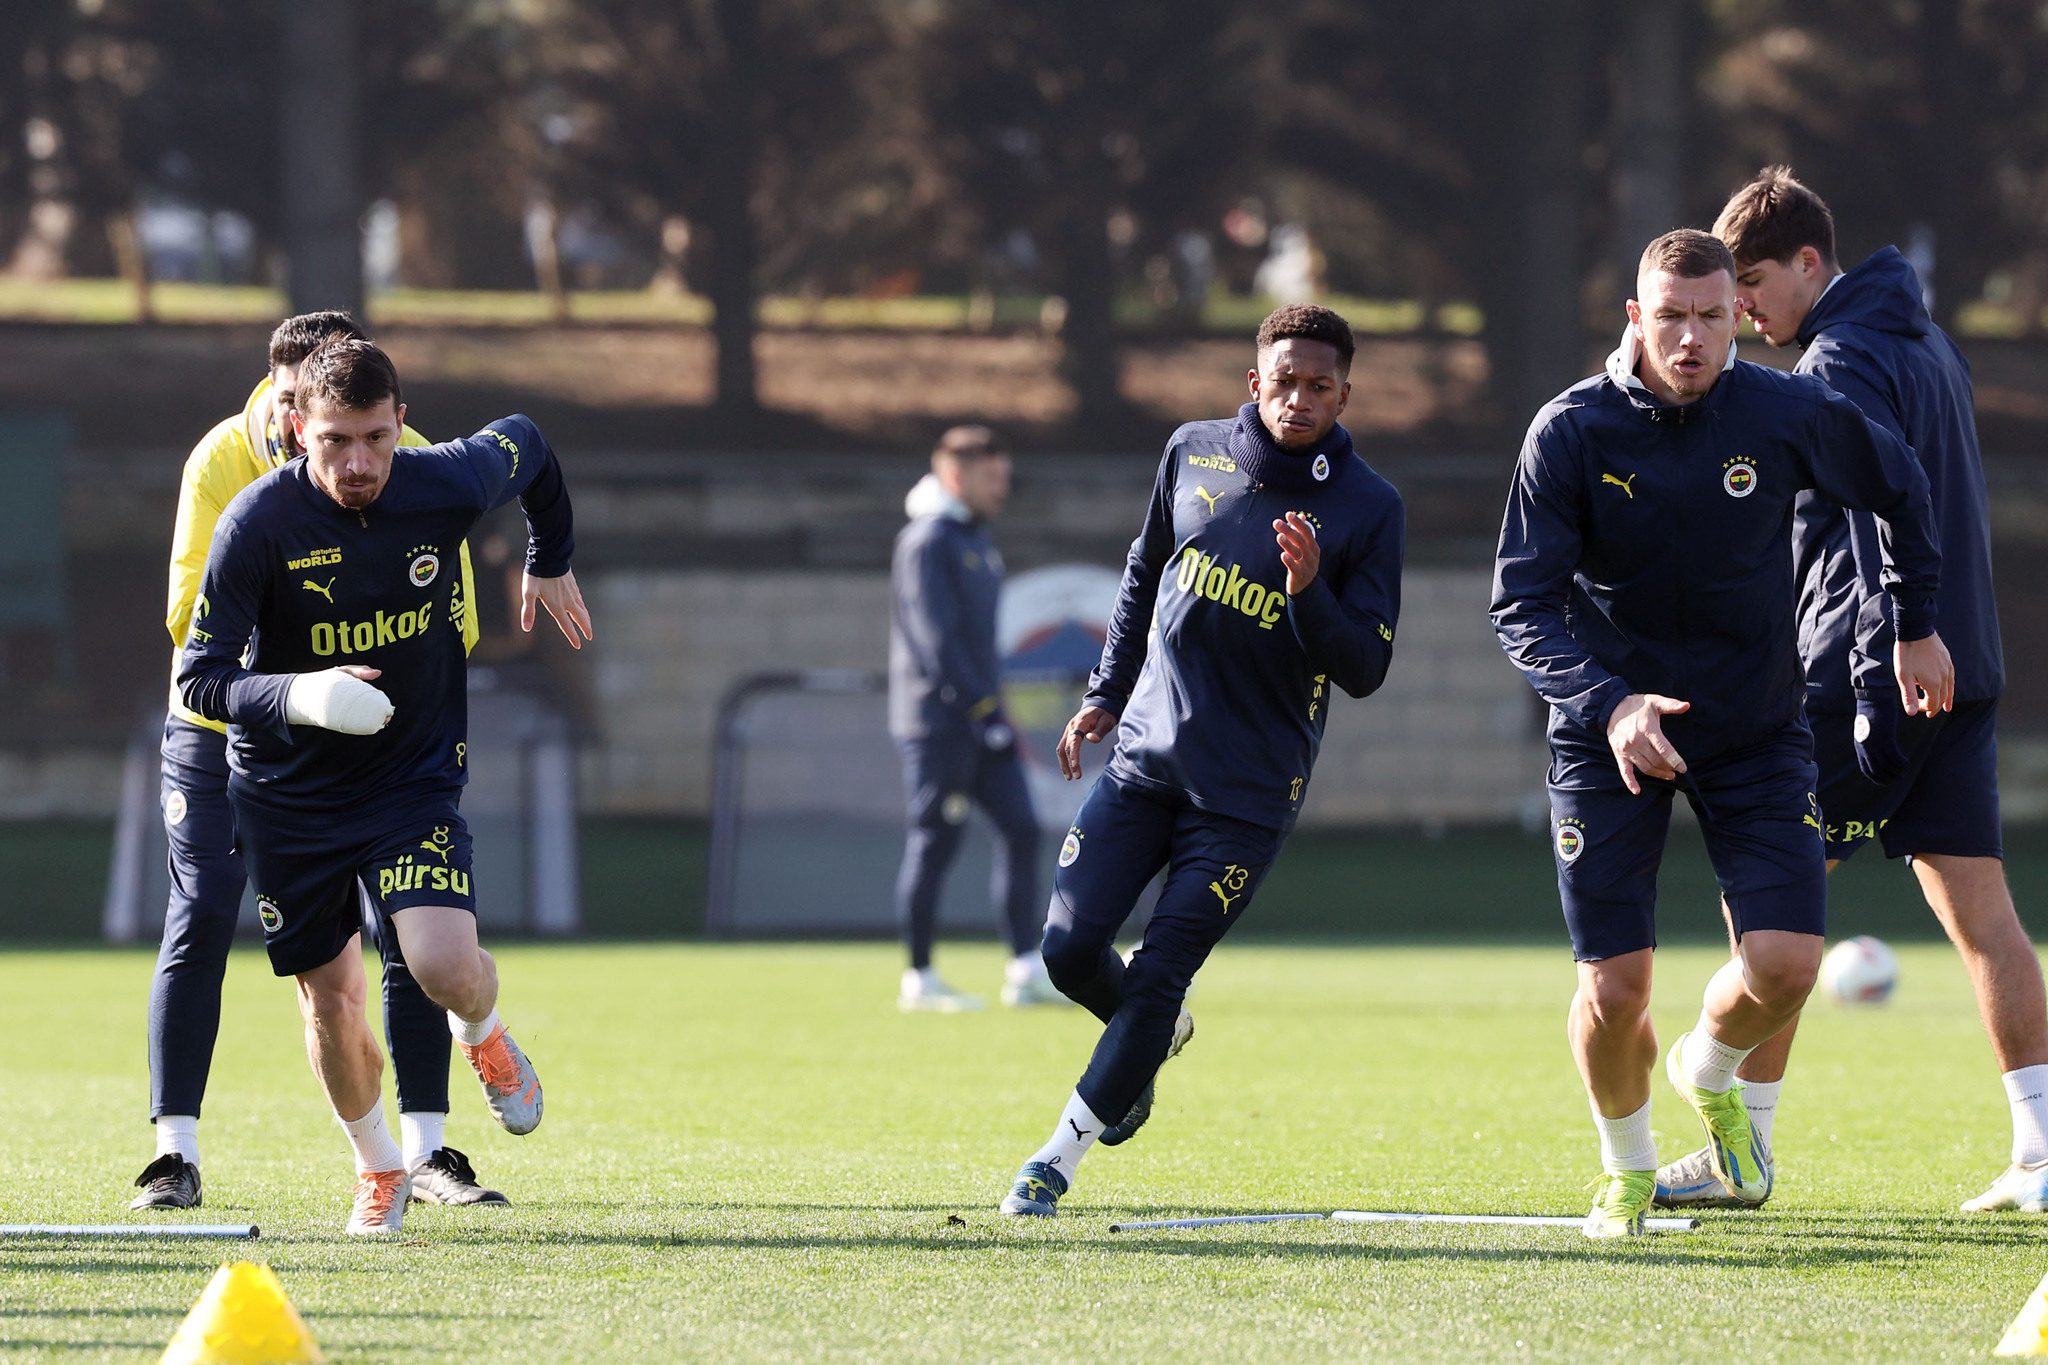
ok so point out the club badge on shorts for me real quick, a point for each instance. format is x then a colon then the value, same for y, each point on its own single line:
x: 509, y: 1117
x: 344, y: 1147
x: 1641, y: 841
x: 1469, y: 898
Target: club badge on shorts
x: 1738, y: 478
x: 425, y: 566
x: 174, y: 807
x: 269, y: 914
x: 1071, y: 849
x: 1321, y: 468
x: 1571, y: 840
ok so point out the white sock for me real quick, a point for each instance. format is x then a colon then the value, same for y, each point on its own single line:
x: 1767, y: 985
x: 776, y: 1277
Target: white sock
x: 1760, y: 1098
x: 1022, y: 968
x: 374, y: 1149
x: 1071, y: 1138
x: 178, y: 1133
x: 472, y: 1035
x: 1625, y: 1143
x: 421, y: 1134
x: 2027, y: 1088
x: 1708, y: 1062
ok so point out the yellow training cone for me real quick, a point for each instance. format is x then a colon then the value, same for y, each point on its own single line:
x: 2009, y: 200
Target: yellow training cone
x: 243, y: 1318
x: 2028, y: 1335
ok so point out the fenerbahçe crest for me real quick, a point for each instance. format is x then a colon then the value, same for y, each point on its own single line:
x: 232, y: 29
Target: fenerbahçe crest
x: 1738, y: 478
x: 425, y: 565
x: 269, y: 914
x: 1571, y: 840
x: 1071, y: 849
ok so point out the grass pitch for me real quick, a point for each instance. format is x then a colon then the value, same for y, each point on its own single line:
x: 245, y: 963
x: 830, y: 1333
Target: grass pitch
x: 750, y: 1155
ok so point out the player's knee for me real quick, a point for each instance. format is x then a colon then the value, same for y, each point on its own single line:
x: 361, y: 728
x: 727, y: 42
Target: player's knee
x: 1784, y: 975
x: 1070, y: 962
x: 1616, y: 1000
x: 454, y: 981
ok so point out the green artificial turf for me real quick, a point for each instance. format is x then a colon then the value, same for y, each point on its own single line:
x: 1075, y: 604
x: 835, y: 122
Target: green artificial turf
x: 750, y: 1155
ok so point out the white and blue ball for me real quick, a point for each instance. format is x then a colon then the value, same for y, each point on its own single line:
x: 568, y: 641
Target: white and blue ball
x: 1859, y: 971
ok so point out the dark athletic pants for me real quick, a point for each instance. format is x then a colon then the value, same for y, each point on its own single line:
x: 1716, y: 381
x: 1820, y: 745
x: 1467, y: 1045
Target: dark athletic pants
x: 199, y: 927
x: 1123, y: 835
x: 943, y: 777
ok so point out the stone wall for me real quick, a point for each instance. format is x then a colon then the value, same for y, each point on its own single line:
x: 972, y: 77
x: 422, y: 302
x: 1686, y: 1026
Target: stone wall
x: 1452, y: 737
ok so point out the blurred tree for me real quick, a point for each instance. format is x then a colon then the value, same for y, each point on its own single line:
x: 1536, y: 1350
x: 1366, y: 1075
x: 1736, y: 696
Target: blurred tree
x: 1098, y: 129
x: 786, y: 132
x: 1923, y: 124
x: 1466, y: 125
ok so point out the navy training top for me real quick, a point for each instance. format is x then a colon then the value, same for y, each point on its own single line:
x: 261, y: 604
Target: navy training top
x: 1869, y: 339
x: 947, y: 579
x: 304, y: 584
x: 1220, y: 679
x: 1647, y: 547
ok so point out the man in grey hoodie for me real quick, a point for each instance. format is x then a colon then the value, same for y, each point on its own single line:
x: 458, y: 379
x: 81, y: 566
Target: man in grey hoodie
x: 946, y: 715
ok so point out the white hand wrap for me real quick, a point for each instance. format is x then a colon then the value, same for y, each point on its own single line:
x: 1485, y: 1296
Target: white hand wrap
x: 334, y: 700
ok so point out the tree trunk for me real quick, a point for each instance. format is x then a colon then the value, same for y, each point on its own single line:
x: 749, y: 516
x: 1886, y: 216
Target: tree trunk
x: 321, y: 129
x: 1535, y: 342
x: 731, y: 219
x: 1089, y: 360
x: 1648, y: 148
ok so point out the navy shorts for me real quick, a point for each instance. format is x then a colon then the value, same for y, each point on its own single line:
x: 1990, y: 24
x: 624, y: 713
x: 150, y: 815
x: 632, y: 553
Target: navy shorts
x: 1946, y: 803
x: 1756, y: 808
x: 306, y: 869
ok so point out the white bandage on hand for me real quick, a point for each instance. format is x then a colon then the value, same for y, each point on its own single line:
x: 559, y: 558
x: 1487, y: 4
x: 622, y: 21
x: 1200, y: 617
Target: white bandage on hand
x: 334, y: 700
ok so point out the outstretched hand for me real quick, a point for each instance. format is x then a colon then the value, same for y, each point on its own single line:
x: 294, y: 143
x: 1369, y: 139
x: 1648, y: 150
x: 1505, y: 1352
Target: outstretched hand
x: 1636, y: 734
x: 564, y: 601
x: 1091, y: 723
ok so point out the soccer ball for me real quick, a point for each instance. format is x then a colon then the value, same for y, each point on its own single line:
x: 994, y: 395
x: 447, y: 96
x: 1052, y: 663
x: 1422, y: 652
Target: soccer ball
x: 1859, y: 971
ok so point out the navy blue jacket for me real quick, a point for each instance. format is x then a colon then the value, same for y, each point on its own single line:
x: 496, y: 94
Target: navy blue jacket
x: 947, y: 579
x: 1221, y: 680
x: 304, y: 584
x: 1869, y: 339
x: 1647, y: 548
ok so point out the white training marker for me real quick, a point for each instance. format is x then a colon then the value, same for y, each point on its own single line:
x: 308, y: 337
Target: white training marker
x: 239, y: 1231
x: 1513, y: 1220
x: 1216, y: 1222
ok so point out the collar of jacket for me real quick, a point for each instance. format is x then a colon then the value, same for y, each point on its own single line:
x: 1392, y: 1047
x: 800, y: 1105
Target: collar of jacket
x: 1621, y: 372
x: 1883, y: 293
x: 1269, y: 463
x: 929, y: 498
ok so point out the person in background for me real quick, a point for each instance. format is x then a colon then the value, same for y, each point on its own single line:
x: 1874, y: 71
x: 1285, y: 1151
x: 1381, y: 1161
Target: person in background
x: 946, y: 716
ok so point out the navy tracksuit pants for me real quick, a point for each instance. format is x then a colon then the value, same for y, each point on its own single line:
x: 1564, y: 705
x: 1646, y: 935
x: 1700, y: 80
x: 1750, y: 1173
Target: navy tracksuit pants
x: 944, y: 776
x: 207, y: 878
x: 1124, y: 834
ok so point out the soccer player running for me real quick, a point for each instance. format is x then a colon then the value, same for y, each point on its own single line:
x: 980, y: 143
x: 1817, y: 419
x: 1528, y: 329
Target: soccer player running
x: 1644, y: 586
x: 1268, y: 570
x: 946, y: 715
x: 332, y: 574
x: 1927, y: 788
x: 206, y: 872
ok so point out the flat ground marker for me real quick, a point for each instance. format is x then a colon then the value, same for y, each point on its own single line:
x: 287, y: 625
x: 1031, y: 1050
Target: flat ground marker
x: 239, y: 1231
x: 1513, y: 1220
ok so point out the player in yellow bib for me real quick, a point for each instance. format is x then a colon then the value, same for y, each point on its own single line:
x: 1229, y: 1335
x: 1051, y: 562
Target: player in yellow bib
x: 207, y: 876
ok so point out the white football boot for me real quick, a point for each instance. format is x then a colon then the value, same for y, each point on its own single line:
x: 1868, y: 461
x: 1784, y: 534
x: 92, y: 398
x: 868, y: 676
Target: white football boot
x: 1026, y: 983
x: 1690, y: 1183
x: 379, y: 1203
x: 923, y: 992
x: 2021, y: 1187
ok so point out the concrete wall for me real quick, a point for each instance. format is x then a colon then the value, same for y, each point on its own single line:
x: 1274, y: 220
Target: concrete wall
x: 1452, y: 737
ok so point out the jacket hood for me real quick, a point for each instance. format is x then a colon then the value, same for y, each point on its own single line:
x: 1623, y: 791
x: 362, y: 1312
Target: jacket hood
x: 1882, y: 294
x: 929, y: 498
x: 1622, y: 361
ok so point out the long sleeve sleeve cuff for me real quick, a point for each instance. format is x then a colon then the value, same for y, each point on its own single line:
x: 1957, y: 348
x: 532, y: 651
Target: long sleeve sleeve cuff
x: 1914, y: 619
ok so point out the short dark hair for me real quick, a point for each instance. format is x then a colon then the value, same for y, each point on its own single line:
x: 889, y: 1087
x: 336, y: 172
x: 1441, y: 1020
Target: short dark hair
x: 969, y: 443
x: 348, y: 372
x: 1310, y: 322
x: 298, y: 337
x: 1773, y: 216
x: 1687, y: 253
